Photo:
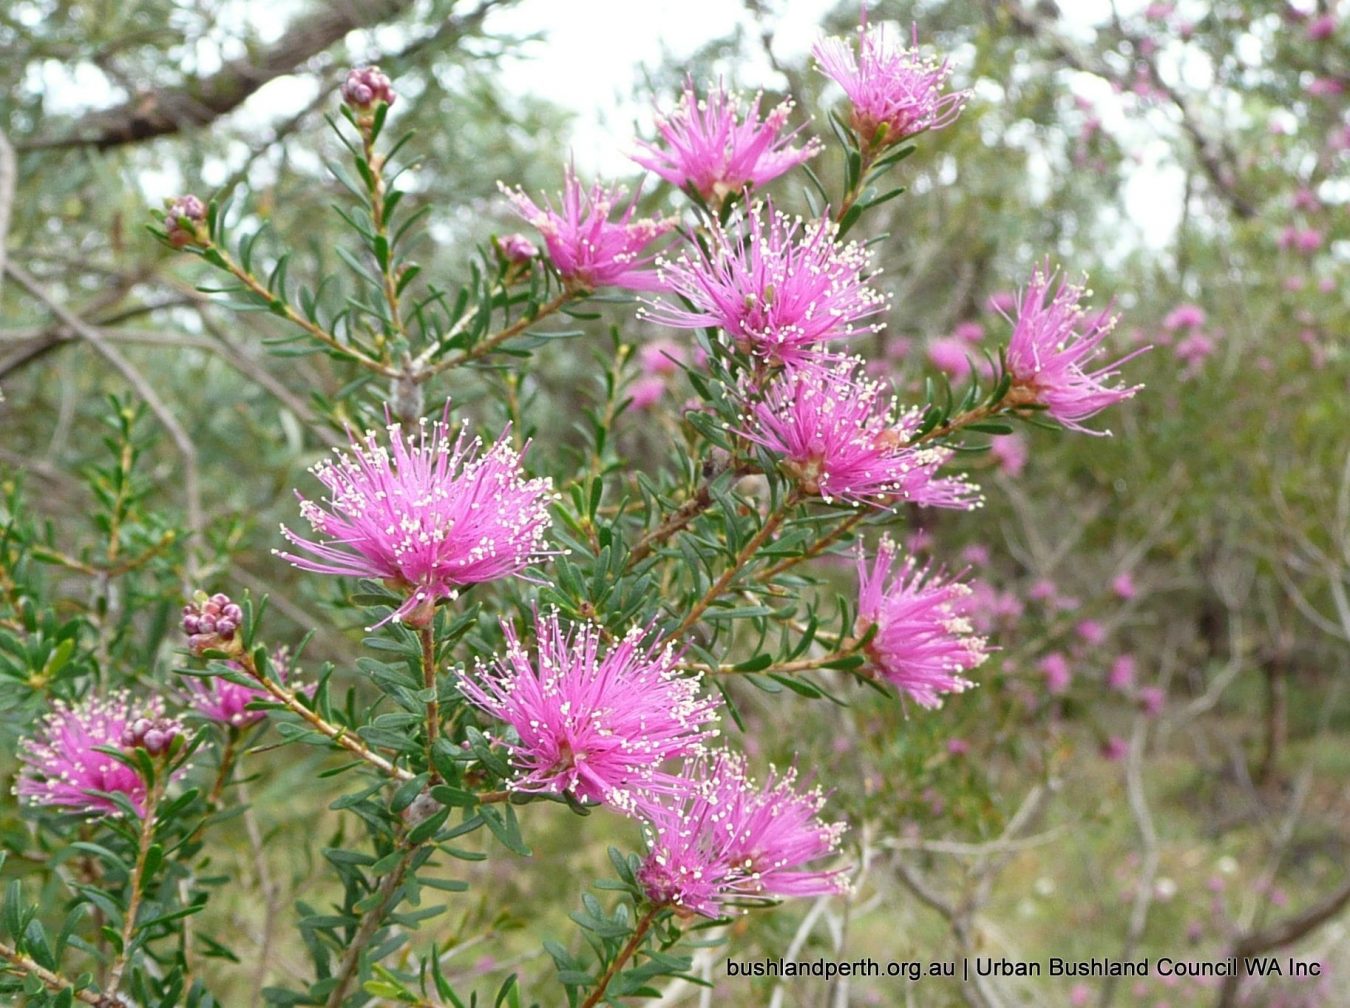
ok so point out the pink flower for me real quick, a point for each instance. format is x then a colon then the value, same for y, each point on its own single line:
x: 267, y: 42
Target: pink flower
x: 661, y: 357
x: 924, y: 644
x: 61, y: 767
x: 969, y: 332
x: 781, y: 290
x: 841, y: 440
x: 1322, y: 27
x: 365, y: 87
x: 224, y: 702
x: 1043, y: 590
x: 957, y: 747
x: 718, y: 152
x: 647, y: 391
x: 989, y: 607
x: 516, y: 248
x: 1309, y: 240
x: 595, y: 727
x: 1010, y: 453
x: 1325, y: 87
x: 1152, y: 699
x: 727, y: 840
x: 1091, y: 631
x: 588, y: 249
x: 976, y: 554
x: 1002, y: 302
x: 1058, y: 674
x: 1123, y: 585
x: 1193, y: 351
x: 1047, y: 353
x: 950, y: 356
x: 425, y: 514
x: 1114, y: 750
x: 1184, y: 316
x: 896, y: 92
x: 1306, y: 199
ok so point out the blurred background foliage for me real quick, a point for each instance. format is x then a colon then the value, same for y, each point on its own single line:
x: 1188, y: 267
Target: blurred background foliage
x: 1183, y: 155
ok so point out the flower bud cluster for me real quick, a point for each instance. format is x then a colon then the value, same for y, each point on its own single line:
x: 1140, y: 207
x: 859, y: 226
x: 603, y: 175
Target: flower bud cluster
x: 153, y: 734
x: 211, y: 622
x: 184, y: 221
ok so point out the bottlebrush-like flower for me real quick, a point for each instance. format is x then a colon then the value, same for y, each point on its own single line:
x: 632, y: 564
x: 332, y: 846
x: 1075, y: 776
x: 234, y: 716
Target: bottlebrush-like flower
x: 924, y: 643
x: 896, y: 92
x: 781, y: 290
x: 840, y: 439
x: 61, y: 765
x: 424, y: 514
x: 586, y: 248
x: 224, y: 702
x: 710, y: 147
x: 1047, y: 353
x: 595, y: 727
x: 727, y: 839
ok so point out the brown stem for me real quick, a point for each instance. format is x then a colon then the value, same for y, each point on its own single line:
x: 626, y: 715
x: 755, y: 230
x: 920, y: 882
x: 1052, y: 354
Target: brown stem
x: 292, y: 316
x: 227, y: 757
x: 678, y: 519
x: 955, y: 423
x: 681, y: 516
x: 147, y: 836
x: 428, y: 635
x: 485, y: 346
x: 53, y: 981
x: 844, y: 650
x: 1282, y: 933
x: 376, y: 187
x: 644, y: 925
x: 351, y: 959
x: 339, y: 735
x: 816, y: 548
x: 771, y: 523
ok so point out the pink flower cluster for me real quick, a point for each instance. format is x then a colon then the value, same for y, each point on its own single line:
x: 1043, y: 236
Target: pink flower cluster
x: 923, y: 644
x: 780, y: 291
x: 62, y: 767
x: 1053, y: 342
x: 896, y: 92
x: 596, y: 727
x: 425, y: 514
x: 729, y: 841
x: 602, y: 728
x: 716, y: 152
x: 587, y: 248
x: 840, y: 439
x: 225, y: 702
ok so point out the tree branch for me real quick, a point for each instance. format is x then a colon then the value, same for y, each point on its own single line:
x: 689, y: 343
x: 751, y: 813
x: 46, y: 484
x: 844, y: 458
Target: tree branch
x: 199, y: 101
x: 7, y: 182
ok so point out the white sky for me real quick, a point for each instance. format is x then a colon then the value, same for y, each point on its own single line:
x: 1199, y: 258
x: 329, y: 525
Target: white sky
x: 593, y: 64
x: 590, y: 61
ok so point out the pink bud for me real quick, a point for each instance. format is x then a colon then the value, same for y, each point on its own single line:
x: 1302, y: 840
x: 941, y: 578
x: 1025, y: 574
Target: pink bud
x: 365, y: 87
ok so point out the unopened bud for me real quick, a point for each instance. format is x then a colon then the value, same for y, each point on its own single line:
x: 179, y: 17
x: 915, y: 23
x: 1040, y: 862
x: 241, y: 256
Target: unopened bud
x: 516, y: 248
x: 154, y: 735
x: 210, y: 622
x: 183, y: 221
x: 366, y: 87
